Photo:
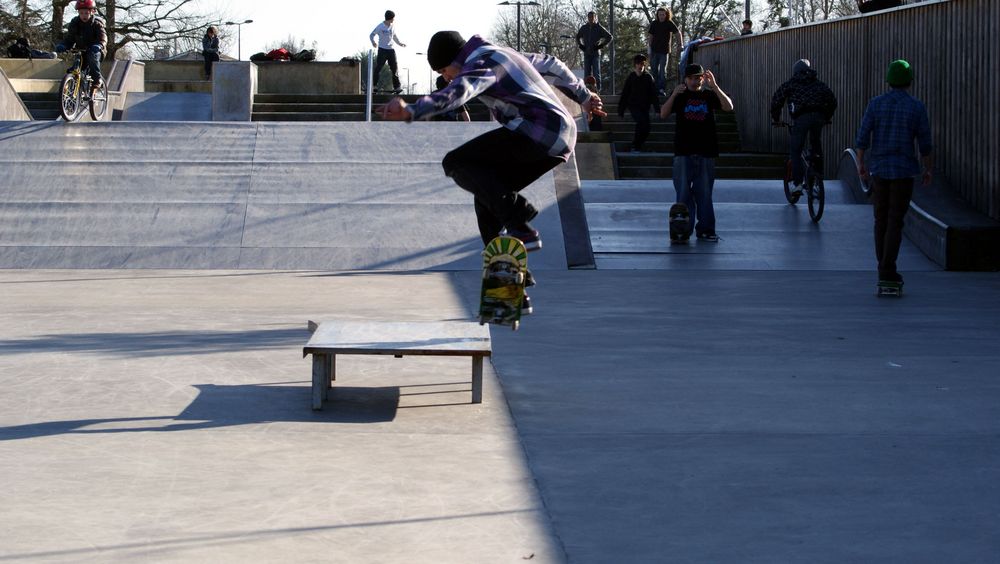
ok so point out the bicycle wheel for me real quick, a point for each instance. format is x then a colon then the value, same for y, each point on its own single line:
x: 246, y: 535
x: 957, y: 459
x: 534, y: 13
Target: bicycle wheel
x: 70, y: 104
x: 817, y: 197
x: 99, y: 102
x: 792, y: 199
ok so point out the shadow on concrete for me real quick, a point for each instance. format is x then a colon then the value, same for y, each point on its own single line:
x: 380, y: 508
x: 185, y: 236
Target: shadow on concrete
x: 228, y: 406
x: 159, y: 343
x: 149, y: 548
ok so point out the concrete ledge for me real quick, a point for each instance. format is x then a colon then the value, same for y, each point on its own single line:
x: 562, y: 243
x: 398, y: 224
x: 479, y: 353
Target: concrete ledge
x: 12, y: 108
x: 234, y: 85
x: 314, y: 77
x: 943, y: 226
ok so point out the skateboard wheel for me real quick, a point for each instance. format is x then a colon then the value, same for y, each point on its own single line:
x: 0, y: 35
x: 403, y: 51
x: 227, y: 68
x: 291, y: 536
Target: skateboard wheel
x: 514, y: 325
x: 519, y: 278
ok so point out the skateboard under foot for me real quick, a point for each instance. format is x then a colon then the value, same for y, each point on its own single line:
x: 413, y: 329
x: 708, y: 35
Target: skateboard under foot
x: 889, y: 288
x: 680, y: 223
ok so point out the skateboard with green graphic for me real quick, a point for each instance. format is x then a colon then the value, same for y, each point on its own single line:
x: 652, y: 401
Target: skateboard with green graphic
x: 505, y: 267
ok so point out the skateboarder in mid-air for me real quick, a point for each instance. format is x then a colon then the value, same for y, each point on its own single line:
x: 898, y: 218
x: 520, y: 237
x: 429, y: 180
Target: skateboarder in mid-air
x: 891, y: 124
x: 539, y: 133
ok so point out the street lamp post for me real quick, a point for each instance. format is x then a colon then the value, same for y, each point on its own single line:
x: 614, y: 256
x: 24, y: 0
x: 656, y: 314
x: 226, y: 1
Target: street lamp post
x: 239, y: 37
x: 519, y: 3
x: 407, y: 79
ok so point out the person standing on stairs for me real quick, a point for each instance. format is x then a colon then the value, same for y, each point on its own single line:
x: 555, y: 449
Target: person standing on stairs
x: 639, y: 95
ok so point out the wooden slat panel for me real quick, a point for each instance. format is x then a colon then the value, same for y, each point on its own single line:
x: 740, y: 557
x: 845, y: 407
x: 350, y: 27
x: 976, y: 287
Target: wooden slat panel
x: 952, y: 46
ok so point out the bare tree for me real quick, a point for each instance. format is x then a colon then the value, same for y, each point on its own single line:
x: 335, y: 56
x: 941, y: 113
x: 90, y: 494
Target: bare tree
x: 20, y: 18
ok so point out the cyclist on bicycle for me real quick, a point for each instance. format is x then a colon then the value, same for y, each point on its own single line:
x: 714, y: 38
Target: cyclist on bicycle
x: 811, y: 104
x: 86, y: 32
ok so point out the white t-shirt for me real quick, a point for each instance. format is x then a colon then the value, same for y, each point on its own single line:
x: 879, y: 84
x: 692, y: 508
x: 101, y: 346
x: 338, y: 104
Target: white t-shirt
x: 386, y: 35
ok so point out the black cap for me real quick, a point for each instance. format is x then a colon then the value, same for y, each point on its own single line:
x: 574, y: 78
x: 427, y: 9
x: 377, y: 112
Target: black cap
x: 444, y: 48
x: 693, y: 70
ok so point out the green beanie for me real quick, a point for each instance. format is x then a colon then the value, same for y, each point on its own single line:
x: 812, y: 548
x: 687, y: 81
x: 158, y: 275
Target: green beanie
x: 900, y: 74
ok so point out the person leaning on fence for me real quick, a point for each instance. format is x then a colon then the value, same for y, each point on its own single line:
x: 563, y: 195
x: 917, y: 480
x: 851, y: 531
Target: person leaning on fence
x: 210, y: 49
x: 638, y: 96
x: 591, y: 38
x: 86, y: 32
x: 811, y: 104
x: 386, y: 54
x: 885, y: 149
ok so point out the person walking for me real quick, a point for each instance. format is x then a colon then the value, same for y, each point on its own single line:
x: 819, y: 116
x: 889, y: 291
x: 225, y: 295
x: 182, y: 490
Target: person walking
x: 639, y: 95
x: 885, y: 150
x: 386, y: 34
x: 696, y: 145
x: 538, y: 132
x: 658, y: 36
x: 591, y: 39
x: 811, y: 104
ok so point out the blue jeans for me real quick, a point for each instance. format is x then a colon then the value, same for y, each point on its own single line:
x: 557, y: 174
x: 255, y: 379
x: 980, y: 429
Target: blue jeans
x: 694, y: 179
x: 658, y: 61
x: 592, y: 66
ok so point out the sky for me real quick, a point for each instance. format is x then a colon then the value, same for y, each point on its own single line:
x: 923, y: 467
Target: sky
x: 341, y: 28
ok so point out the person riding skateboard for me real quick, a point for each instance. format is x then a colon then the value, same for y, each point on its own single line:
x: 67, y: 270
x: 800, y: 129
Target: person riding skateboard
x: 886, y: 137
x: 386, y: 34
x: 538, y: 132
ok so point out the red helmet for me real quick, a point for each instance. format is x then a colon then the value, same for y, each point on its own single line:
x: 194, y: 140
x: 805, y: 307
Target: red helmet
x: 86, y: 5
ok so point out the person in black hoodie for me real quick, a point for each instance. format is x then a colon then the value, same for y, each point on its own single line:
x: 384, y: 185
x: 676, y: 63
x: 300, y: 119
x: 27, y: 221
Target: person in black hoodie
x: 638, y: 95
x: 811, y: 105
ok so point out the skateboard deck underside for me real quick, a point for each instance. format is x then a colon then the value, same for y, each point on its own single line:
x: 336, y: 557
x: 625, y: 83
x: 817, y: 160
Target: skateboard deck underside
x: 505, y: 263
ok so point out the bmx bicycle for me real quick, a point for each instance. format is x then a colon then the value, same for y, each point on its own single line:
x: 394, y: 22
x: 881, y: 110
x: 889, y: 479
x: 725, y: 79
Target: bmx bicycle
x: 77, y: 91
x: 812, y: 183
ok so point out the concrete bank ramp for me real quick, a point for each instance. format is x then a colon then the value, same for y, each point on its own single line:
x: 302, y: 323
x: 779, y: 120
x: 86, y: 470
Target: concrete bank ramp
x: 167, y: 106
x: 326, y: 196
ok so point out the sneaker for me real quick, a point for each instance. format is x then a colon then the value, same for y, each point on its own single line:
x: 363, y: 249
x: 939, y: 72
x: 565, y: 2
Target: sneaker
x: 526, y: 306
x: 530, y: 237
x: 795, y: 189
x: 710, y: 237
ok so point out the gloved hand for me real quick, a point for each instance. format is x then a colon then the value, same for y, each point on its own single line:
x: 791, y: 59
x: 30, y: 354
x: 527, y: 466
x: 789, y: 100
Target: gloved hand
x: 95, y: 49
x: 60, y: 48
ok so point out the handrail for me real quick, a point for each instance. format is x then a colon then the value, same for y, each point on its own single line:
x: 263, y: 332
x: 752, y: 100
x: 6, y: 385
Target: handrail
x: 371, y: 87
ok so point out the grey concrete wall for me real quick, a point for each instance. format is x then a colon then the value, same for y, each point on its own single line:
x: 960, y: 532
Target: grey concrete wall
x: 174, y: 70
x: 233, y: 87
x: 36, y: 68
x: 316, y: 77
x: 11, y: 106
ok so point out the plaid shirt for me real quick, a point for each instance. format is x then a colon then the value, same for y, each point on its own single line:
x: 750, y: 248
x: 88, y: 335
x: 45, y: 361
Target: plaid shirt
x: 891, y: 122
x: 513, y: 87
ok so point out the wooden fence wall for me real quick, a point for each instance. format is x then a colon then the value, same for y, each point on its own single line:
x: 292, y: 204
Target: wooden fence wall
x: 954, y: 48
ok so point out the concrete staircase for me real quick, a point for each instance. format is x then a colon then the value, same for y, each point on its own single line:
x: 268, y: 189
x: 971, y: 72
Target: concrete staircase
x: 329, y: 107
x: 656, y: 160
x: 176, y: 76
x: 43, y: 106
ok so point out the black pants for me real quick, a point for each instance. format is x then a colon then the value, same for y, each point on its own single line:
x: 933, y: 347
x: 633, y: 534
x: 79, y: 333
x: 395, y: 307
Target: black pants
x: 209, y: 59
x: 890, y: 201
x: 642, y: 127
x: 384, y: 56
x: 806, y: 125
x: 494, y: 167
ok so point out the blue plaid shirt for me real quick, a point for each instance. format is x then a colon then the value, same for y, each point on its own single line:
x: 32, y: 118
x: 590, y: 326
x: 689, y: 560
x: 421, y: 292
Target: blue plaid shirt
x: 890, y: 124
x: 511, y: 84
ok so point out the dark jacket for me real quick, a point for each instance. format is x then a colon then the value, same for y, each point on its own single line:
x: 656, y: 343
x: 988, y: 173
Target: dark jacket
x: 210, y: 45
x: 804, y: 94
x: 81, y: 35
x: 639, y: 93
x: 592, y: 38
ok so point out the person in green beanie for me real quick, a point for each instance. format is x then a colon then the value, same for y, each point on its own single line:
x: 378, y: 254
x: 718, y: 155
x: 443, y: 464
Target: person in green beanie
x: 885, y: 152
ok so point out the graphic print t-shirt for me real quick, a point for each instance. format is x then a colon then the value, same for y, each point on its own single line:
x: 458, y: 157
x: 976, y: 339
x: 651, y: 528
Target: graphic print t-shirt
x: 695, y: 113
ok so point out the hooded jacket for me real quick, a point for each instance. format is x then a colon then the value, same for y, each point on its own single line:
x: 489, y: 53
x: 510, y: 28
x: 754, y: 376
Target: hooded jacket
x: 804, y: 94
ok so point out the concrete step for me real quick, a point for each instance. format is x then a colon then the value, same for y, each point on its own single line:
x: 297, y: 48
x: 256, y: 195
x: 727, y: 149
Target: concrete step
x: 198, y: 86
x: 307, y: 116
x: 721, y: 171
x: 724, y: 159
x: 666, y: 145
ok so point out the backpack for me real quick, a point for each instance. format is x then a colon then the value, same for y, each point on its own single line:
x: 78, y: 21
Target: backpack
x: 280, y: 54
x: 258, y: 57
x: 305, y: 55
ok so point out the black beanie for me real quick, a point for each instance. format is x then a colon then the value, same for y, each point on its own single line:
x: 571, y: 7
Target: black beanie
x: 443, y: 49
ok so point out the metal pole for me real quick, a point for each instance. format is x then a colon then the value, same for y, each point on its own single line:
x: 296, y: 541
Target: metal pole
x: 611, y: 25
x: 519, y: 27
x: 746, y: 10
x: 368, y: 91
x: 239, y: 42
